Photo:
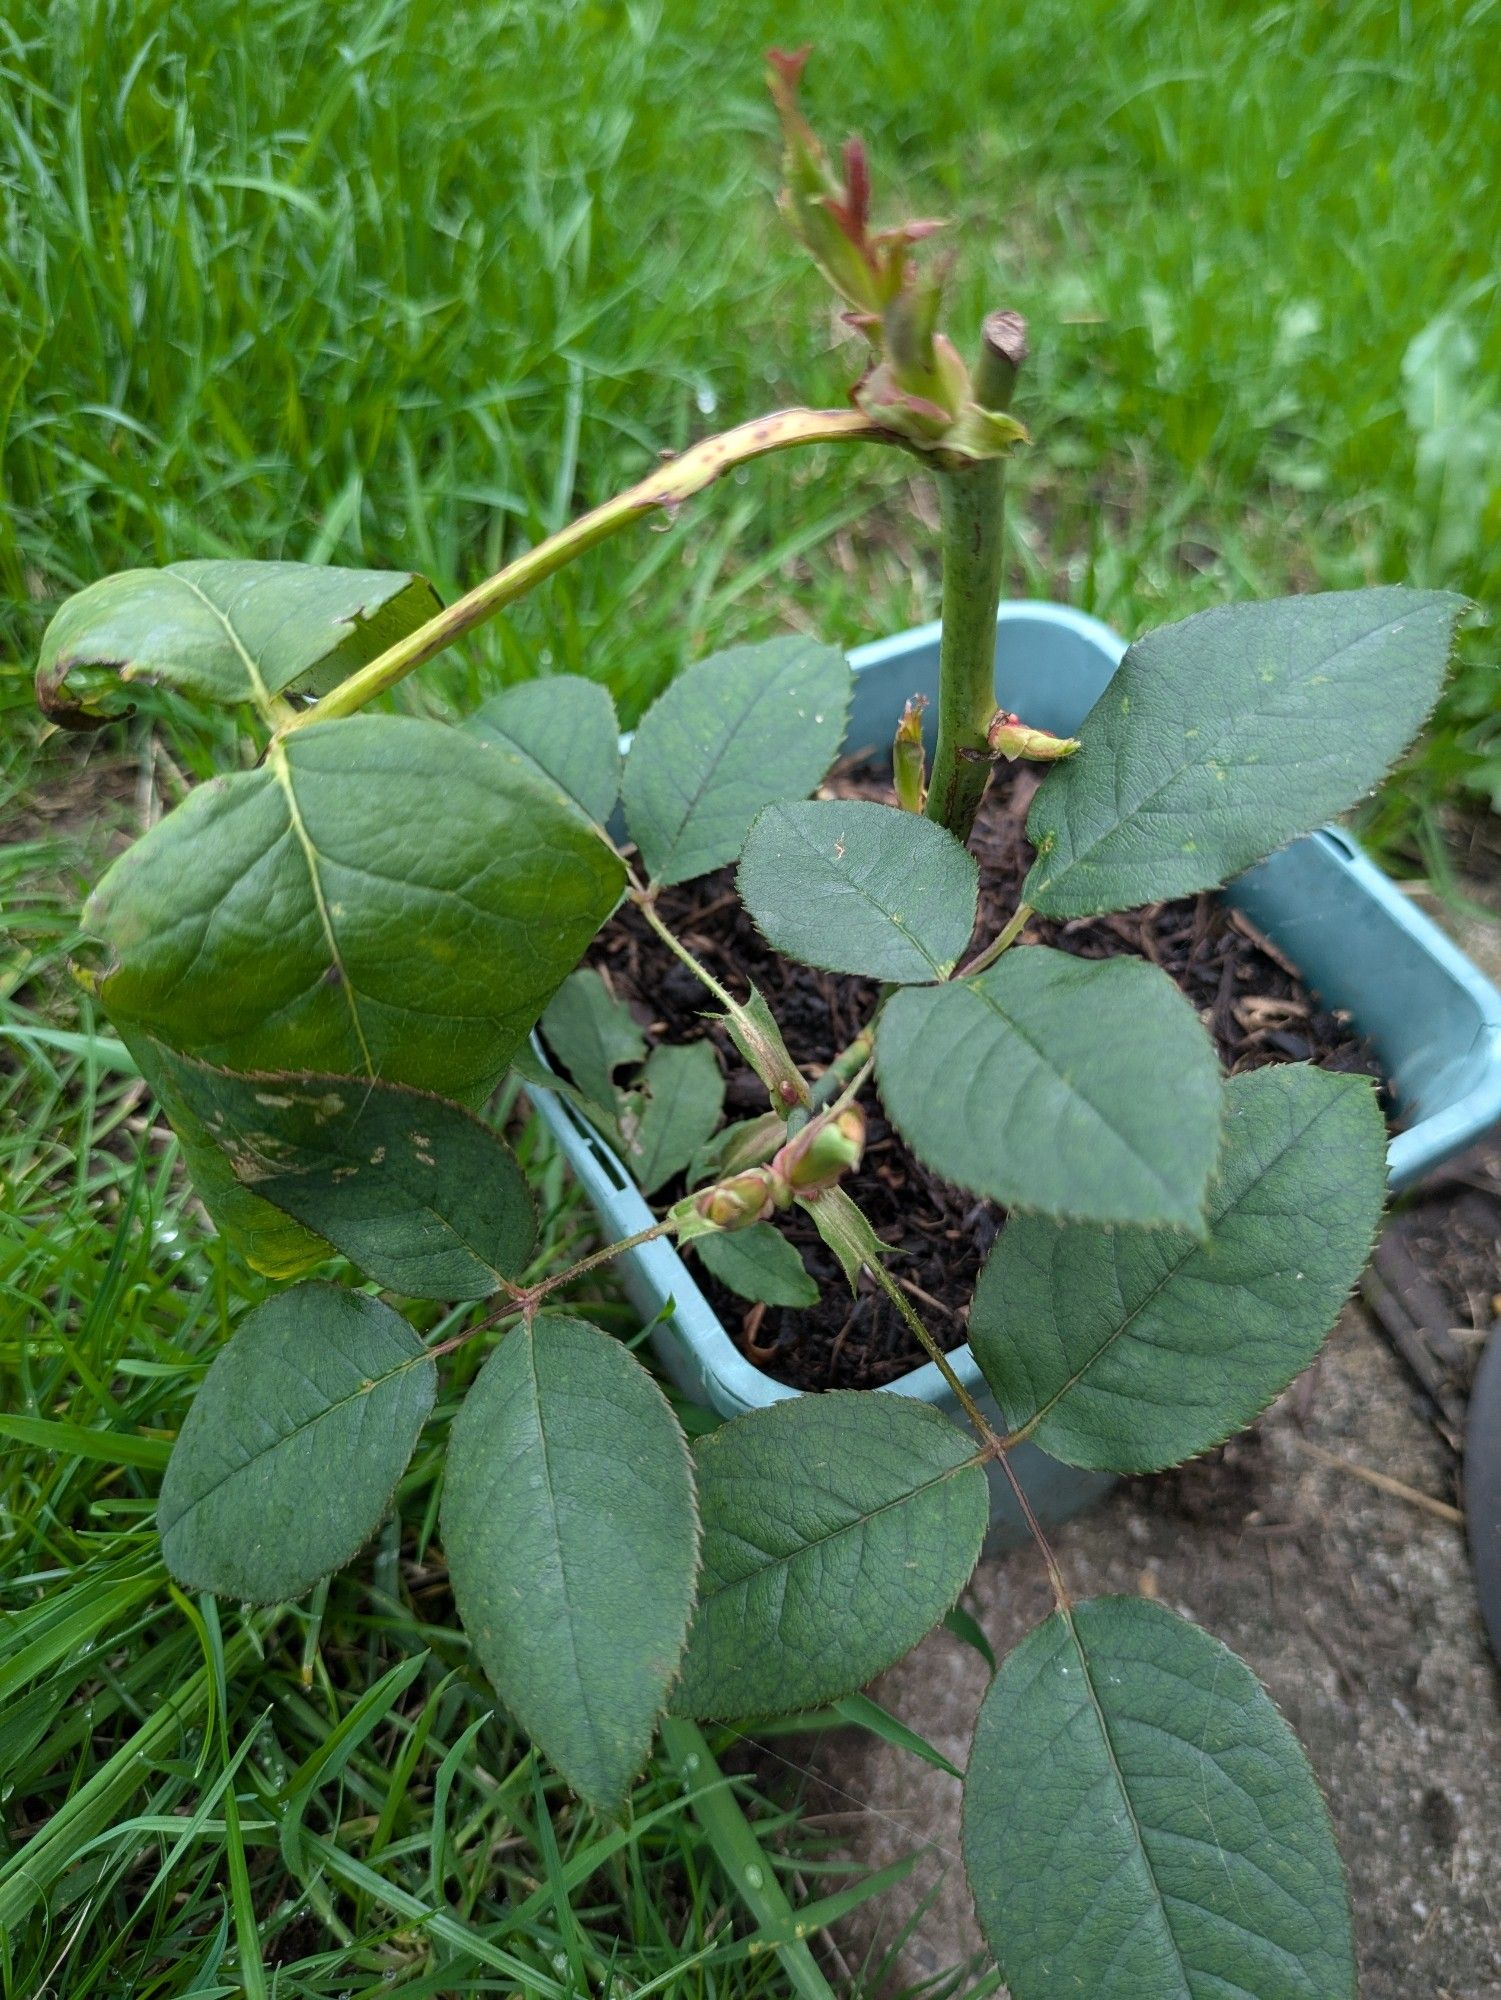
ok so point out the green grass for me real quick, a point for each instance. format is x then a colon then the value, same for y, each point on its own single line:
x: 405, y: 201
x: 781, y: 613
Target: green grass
x: 409, y: 284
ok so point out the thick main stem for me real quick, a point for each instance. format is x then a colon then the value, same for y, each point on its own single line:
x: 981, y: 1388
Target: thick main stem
x: 971, y: 504
x: 666, y: 489
x: 972, y: 507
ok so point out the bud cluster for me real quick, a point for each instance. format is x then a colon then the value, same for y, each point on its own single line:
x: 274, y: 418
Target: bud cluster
x: 812, y: 1161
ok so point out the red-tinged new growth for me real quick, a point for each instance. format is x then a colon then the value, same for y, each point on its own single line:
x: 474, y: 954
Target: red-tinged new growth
x: 832, y: 217
x: 916, y: 386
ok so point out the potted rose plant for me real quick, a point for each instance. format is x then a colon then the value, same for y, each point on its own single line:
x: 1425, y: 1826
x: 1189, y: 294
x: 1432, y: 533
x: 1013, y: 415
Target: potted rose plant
x: 325, y: 964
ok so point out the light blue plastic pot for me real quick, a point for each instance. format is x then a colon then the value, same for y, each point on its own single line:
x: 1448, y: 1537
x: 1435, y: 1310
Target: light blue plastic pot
x: 1433, y: 1019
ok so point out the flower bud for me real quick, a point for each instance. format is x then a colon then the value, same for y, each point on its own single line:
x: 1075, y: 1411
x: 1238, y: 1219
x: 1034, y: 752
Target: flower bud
x: 825, y: 1150
x: 1010, y: 737
x: 743, y: 1200
x: 909, y: 766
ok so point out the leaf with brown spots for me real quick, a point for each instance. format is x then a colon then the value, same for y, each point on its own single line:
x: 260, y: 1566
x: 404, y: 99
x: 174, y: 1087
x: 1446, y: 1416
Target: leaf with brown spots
x: 424, y: 1197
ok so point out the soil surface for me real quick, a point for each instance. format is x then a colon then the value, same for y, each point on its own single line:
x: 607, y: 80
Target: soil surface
x: 1249, y: 997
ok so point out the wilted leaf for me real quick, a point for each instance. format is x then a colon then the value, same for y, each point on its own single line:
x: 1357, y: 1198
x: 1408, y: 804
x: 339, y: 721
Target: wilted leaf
x: 225, y: 632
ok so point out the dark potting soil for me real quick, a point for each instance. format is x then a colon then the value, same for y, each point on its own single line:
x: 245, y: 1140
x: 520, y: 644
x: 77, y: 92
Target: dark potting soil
x: 1248, y: 995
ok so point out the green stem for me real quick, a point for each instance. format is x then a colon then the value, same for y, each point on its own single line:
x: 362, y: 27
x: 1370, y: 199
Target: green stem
x: 680, y: 951
x: 665, y: 489
x: 847, y: 1065
x: 852, y: 1089
x: 971, y: 504
x: 592, y: 1263
x: 1061, y: 1594
x: 936, y: 1355
x: 759, y: 1040
x: 994, y: 1445
x: 523, y: 1301
x: 1003, y: 941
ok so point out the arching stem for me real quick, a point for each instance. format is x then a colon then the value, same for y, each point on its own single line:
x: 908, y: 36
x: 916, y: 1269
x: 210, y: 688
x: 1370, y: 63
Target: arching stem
x: 663, y: 490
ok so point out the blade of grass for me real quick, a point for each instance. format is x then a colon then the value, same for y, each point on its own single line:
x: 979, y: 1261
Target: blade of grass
x: 747, y: 1867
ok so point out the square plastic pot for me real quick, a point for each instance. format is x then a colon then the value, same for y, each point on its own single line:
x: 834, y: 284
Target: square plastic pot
x: 1433, y: 1019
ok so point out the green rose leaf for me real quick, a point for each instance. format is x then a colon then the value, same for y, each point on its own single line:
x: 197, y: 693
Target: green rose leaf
x: 838, y: 1529
x: 571, y: 1536
x: 268, y: 1238
x: 566, y: 726
x: 592, y: 1034
x: 663, y: 1124
x: 732, y: 734
x: 287, y: 1460
x: 1139, y: 1819
x: 860, y: 888
x: 419, y: 1193
x: 758, y: 1263
x: 1083, y: 1088
x: 382, y: 897
x: 1225, y: 736
x: 224, y: 632
x: 1133, y: 1349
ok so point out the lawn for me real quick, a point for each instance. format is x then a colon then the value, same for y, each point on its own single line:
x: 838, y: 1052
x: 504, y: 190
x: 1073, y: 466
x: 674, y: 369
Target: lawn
x: 409, y: 285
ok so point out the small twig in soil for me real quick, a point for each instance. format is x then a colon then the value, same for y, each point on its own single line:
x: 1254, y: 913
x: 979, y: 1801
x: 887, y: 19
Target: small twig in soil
x: 927, y: 1298
x: 1384, y: 1483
